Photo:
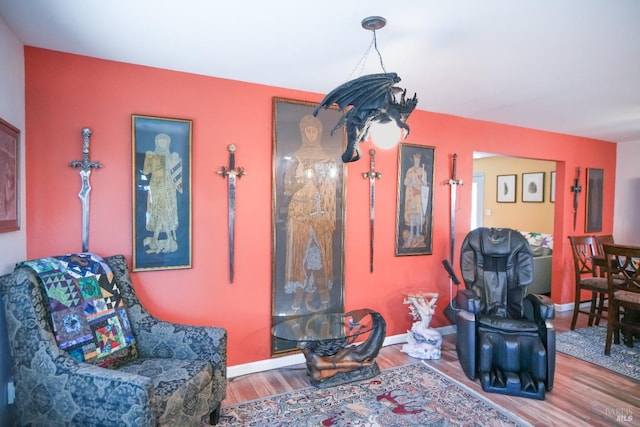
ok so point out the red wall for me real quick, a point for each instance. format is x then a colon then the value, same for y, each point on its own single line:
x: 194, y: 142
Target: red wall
x: 65, y: 93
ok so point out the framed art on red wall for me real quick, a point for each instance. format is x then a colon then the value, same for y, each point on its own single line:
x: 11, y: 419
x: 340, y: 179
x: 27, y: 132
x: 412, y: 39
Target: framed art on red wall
x: 9, y: 177
x: 308, y: 213
x: 593, y: 220
x: 161, y: 193
x: 415, y: 199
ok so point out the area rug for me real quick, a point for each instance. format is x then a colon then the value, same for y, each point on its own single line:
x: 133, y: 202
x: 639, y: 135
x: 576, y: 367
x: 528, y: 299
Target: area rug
x: 408, y: 395
x: 588, y: 344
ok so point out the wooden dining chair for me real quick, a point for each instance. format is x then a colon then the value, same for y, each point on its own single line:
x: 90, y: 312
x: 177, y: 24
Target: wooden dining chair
x: 584, y: 248
x: 623, y: 275
x: 601, y: 239
x: 598, y: 260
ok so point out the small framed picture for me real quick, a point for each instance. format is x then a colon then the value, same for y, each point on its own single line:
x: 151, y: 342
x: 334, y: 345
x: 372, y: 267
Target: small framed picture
x: 506, y: 189
x: 552, y: 189
x: 533, y: 187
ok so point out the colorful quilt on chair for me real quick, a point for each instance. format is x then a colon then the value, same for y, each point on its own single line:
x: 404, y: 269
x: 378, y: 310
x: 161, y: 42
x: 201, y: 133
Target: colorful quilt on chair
x: 87, y: 312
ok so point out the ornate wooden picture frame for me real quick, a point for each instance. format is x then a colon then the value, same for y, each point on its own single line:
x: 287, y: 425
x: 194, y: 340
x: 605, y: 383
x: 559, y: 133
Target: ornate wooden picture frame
x: 9, y: 177
x: 308, y: 213
x: 414, y: 219
x: 162, y: 233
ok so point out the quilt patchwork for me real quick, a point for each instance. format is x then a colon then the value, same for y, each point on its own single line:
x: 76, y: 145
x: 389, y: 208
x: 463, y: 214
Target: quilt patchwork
x: 88, y: 314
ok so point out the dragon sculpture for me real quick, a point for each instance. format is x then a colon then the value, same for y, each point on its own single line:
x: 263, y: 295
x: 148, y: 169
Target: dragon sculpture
x: 372, y: 97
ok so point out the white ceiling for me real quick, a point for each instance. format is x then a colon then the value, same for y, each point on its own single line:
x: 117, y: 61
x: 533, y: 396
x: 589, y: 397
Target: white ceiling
x: 569, y: 66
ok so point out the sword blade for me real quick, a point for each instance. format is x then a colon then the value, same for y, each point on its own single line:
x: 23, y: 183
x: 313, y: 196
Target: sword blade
x: 452, y: 234
x: 372, y: 216
x: 232, y: 220
x: 85, y: 192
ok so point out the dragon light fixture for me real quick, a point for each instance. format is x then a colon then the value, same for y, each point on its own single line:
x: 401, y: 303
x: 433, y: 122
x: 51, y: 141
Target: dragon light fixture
x: 369, y: 99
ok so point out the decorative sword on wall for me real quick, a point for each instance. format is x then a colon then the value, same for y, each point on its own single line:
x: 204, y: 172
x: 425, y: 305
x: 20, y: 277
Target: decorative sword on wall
x: 576, y: 189
x: 231, y: 172
x: 372, y: 175
x: 85, y: 166
x: 453, y: 182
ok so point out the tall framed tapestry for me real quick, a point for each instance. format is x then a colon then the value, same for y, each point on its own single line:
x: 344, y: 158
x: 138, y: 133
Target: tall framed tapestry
x: 161, y: 193
x: 415, y: 200
x: 595, y: 182
x: 9, y: 177
x: 308, y: 213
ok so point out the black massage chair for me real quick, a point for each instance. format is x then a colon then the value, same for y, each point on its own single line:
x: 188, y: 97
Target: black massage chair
x: 504, y: 336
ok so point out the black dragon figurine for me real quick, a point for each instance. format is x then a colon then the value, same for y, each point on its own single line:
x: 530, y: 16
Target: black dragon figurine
x: 372, y: 97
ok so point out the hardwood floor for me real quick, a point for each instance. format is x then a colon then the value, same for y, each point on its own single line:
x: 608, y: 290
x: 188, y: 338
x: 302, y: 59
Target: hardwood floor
x: 583, y: 394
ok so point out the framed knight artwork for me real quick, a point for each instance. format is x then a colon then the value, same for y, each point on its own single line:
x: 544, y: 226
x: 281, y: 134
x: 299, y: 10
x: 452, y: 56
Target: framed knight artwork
x: 308, y: 213
x: 414, y: 220
x: 9, y: 177
x: 162, y: 232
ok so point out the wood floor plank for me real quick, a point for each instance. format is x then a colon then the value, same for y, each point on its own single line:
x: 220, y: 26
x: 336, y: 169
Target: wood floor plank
x: 583, y: 394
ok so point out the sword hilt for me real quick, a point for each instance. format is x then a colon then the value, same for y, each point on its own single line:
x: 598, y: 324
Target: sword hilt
x: 454, y: 180
x: 85, y: 163
x: 231, y: 170
x: 372, y: 174
x: 576, y: 188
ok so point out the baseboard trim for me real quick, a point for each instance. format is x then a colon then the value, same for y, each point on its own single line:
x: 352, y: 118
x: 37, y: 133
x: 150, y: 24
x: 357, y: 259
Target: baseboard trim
x: 295, y: 359
x: 569, y: 306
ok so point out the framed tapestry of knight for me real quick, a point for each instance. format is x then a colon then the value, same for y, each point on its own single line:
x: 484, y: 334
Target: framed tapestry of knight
x: 415, y: 199
x: 162, y: 232
x: 308, y: 213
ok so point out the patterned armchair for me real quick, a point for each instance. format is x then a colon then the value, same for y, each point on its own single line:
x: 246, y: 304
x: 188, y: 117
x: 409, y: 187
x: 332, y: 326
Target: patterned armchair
x: 177, y: 379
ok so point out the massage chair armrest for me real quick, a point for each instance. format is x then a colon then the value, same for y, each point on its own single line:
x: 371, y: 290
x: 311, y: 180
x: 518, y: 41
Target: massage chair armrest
x: 538, y: 308
x: 467, y: 300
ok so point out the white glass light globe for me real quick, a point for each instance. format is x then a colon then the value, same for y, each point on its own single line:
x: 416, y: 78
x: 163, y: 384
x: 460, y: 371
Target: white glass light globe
x: 385, y: 135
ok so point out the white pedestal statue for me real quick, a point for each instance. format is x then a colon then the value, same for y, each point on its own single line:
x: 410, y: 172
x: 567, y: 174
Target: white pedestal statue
x: 423, y: 342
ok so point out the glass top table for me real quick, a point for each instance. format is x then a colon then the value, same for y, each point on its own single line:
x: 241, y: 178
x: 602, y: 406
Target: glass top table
x: 325, y: 340
x: 325, y: 327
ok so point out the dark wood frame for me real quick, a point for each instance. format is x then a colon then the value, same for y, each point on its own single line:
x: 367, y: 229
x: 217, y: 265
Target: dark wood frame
x: 552, y: 187
x: 9, y: 177
x: 406, y: 241
x: 593, y: 205
x: 148, y: 253
x: 511, y: 182
x: 533, y: 178
x: 297, y: 179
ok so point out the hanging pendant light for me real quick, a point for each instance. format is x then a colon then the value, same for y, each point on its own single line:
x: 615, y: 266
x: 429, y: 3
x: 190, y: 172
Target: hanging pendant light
x: 369, y: 99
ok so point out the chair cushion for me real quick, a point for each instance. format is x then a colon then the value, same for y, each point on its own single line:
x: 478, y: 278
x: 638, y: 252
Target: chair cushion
x: 627, y: 296
x: 183, y: 388
x: 595, y: 283
x: 88, y: 315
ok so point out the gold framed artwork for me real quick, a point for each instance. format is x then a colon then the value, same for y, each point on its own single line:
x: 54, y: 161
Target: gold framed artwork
x: 595, y: 181
x: 415, y: 199
x: 161, y: 192
x: 308, y: 213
